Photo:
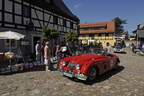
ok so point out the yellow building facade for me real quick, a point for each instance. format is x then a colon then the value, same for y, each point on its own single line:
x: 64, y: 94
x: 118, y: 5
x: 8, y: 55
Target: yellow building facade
x: 97, y: 32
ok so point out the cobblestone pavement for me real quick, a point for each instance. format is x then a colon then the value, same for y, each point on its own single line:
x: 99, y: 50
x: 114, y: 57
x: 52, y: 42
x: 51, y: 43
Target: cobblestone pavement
x: 128, y: 80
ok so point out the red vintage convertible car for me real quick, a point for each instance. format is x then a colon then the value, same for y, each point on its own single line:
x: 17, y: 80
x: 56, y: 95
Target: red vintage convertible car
x: 88, y: 65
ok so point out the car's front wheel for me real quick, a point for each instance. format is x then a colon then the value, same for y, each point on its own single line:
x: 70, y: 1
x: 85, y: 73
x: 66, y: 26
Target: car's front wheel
x: 117, y: 64
x: 92, y: 73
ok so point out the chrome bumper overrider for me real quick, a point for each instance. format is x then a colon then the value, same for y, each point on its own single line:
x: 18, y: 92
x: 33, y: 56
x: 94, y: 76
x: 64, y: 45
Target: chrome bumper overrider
x: 72, y: 75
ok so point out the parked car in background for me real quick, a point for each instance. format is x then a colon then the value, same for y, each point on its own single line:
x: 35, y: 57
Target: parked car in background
x: 138, y: 50
x: 88, y: 65
x: 119, y: 48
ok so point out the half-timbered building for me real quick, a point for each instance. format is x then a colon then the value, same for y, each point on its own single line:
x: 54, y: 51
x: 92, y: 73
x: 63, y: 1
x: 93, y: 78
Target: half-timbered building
x: 29, y: 16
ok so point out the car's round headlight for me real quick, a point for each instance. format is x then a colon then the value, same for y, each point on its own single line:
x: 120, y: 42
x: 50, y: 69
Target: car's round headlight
x: 64, y: 63
x: 77, y: 66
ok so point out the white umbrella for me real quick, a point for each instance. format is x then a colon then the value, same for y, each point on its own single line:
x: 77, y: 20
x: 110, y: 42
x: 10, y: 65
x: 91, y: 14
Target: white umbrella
x: 11, y: 35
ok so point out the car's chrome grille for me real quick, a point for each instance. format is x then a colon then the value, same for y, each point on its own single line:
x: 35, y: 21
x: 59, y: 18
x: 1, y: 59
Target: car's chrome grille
x: 71, y: 66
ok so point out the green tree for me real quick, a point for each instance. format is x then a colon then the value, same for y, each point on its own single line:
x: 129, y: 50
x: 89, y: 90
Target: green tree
x: 45, y: 33
x: 71, y: 36
x: 127, y: 36
x: 50, y: 34
x: 119, y: 25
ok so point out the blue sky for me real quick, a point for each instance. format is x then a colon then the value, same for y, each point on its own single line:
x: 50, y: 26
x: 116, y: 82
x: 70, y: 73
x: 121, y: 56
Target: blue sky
x: 105, y: 10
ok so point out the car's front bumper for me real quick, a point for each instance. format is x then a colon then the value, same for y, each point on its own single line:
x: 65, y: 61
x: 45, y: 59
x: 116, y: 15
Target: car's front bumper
x: 73, y: 75
x: 119, y: 50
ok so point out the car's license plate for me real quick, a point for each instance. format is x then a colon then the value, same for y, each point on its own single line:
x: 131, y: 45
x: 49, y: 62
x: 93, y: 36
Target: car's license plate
x: 82, y: 77
x: 118, y: 50
x: 67, y: 74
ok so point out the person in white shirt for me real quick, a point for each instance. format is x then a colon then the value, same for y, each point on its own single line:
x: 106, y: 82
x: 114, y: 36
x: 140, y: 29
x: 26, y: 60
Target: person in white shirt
x: 37, y: 49
x: 108, y: 48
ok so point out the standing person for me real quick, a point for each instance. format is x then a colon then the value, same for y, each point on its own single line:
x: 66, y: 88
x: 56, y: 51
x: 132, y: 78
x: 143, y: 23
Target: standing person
x: 47, y: 56
x: 108, y: 47
x: 100, y: 46
x: 80, y: 48
x: 68, y: 51
x: 37, y: 49
x: 42, y: 51
x: 58, y: 48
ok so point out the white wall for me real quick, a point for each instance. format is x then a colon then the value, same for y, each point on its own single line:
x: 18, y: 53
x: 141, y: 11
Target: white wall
x: 68, y: 24
x: 36, y: 23
x: 18, y: 19
x: 40, y: 14
x: 50, y: 26
x: 25, y: 3
x: 18, y: 9
x: 18, y: 1
x: 46, y: 17
x: 8, y: 5
x: 0, y: 4
x: 26, y: 20
x: 51, y: 19
x: 33, y: 13
x: 8, y: 17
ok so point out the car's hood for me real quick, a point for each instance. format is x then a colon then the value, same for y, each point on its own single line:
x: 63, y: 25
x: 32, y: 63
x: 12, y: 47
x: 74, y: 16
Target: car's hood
x: 82, y: 59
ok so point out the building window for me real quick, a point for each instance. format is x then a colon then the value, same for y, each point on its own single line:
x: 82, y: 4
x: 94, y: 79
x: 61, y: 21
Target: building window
x: 64, y: 23
x: 83, y: 35
x: 92, y: 36
x: 94, y: 28
x: 12, y: 45
x: 55, y: 20
x: 71, y: 25
x: 26, y: 11
x: 107, y: 34
x: 99, y: 34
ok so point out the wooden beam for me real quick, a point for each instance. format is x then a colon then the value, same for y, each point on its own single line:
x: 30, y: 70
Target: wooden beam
x: 13, y: 11
x: 3, y: 15
x: 38, y: 18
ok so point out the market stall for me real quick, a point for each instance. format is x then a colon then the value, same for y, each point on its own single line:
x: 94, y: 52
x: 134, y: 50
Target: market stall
x: 9, y: 35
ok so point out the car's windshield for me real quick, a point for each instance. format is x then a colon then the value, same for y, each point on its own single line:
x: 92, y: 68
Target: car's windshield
x: 118, y: 46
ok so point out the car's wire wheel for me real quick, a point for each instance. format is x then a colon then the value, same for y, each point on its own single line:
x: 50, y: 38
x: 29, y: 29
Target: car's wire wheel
x: 92, y: 73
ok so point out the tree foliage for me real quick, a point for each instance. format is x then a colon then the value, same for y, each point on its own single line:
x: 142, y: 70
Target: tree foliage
x: 71, y: 36
x: 49, y: 33
x: 127, y: 36
x: 119, y: 25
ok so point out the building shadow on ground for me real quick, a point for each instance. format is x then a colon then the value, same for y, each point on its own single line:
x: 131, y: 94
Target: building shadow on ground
x: 103, y: 77
x: 121, y: 52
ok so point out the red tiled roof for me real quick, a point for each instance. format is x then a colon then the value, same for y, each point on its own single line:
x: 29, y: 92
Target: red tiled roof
x: 110, y: 27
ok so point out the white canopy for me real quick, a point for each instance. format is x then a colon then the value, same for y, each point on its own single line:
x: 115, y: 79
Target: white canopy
x: 11, y: 35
